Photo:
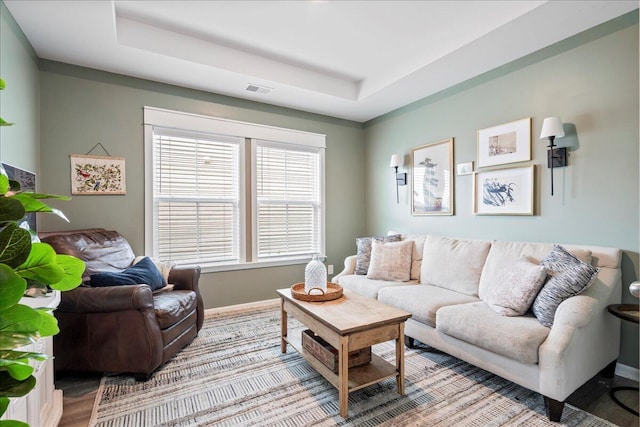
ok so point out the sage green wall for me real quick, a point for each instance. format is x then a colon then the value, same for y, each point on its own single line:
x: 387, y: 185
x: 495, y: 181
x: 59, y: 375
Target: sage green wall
x: 81, y: 107
x: 19, y: 103
x: 591, y: 82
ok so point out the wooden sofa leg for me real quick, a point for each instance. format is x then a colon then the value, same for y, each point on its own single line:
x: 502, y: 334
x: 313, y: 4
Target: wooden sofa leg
x: 610, y: 370
x: 553, y: 408
x: 409, y: 341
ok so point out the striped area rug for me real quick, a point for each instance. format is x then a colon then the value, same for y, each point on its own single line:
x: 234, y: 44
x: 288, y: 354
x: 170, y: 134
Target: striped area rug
x: 234, y: 374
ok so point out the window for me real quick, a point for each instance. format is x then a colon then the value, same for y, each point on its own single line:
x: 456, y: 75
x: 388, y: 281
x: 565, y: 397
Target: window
x: 205, y: 205
x: 288, y: 203
x: 196, y: 199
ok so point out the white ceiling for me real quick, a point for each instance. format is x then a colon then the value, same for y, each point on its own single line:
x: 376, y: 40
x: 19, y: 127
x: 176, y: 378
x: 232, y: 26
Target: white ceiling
x: 349, y: 59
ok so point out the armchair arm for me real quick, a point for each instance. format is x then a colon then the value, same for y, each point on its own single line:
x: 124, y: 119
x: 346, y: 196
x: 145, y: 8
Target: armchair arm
x: 106, y: 299
x: 187, y: 279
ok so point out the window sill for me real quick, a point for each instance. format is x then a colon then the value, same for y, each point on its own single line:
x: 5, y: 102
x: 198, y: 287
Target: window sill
x: 252, y: 265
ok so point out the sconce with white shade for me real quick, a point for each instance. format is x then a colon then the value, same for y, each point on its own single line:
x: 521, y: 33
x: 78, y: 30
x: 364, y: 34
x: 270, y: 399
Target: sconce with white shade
x: 401, y: 178
x: 556, y: 157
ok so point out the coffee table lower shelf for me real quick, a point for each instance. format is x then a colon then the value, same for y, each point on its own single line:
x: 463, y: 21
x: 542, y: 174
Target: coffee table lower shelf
x: 359, y: 377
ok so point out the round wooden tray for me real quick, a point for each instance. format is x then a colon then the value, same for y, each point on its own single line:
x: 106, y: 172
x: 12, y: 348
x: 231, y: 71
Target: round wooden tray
x: 334, y: 291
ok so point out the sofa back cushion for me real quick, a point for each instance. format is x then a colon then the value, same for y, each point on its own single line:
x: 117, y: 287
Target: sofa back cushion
x: 504, y: 253
x: 453, y: 264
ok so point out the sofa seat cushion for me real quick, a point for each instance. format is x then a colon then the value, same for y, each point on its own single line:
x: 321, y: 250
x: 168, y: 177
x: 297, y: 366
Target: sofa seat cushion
x: 453, y: 264
x: 172, y: 307
x: 422, y: 301
x: 515, y: 337
x: 367, y: 287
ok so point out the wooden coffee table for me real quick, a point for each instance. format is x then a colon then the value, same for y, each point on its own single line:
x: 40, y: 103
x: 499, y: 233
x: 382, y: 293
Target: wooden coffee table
x: 349, y: 323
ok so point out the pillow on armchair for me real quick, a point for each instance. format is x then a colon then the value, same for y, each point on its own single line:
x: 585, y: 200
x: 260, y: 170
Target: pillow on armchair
x: 144, y: 272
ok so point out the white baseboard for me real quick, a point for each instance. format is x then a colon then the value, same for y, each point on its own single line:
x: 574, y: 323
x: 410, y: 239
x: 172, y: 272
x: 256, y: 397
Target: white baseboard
x: 627, y: 372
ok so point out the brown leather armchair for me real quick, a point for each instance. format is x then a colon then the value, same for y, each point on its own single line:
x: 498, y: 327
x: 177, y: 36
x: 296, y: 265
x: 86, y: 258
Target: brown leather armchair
x: 124, y: 328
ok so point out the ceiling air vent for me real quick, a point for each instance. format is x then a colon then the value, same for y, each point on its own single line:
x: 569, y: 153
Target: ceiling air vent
x: 258, y: 89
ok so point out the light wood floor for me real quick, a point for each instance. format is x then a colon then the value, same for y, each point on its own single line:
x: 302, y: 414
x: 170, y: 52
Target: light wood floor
x: 80, y: 392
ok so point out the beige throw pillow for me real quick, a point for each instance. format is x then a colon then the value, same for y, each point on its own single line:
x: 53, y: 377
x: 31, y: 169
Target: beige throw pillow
x: 416, y: 258
x: 516, y: 288
x: 390, y: 261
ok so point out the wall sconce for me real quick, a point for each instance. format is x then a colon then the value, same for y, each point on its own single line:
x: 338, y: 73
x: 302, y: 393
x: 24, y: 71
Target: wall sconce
x: 401, y: 178
x: 556, y: 157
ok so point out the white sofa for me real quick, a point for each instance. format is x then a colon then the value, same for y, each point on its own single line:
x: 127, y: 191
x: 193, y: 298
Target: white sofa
x: 450, y: 279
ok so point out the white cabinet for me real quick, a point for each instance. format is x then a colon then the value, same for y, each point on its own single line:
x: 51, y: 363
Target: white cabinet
x: 42, y: 407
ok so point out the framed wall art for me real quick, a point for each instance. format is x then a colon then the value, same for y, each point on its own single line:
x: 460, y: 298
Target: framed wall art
x: 465, y: 168
x: 507, y: 191
x: 506, y: 143
x: 432, y: 179
x: 97, y: 175
x: 27, y: 181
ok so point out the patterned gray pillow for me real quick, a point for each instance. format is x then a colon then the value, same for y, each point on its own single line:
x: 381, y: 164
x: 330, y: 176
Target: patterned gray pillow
x: 567, y: 276
x: 364, y: 250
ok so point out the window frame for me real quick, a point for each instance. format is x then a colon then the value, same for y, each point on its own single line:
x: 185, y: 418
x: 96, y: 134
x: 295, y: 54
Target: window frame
x: 197, y: 123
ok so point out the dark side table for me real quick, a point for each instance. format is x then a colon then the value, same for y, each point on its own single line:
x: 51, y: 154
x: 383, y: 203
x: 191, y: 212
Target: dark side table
x: 631, y: 313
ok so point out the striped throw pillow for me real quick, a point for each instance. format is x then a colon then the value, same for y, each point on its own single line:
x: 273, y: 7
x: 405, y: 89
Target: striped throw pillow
x: 567, y: 276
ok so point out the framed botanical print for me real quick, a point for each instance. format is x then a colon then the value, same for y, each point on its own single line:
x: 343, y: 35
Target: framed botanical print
x: 97, y: 175
x: 507, y: 191
x: 432, y: 178
x: 506, y: 143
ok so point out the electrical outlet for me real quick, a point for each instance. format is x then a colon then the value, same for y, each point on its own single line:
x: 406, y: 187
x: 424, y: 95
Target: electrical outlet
x: 330, y: 269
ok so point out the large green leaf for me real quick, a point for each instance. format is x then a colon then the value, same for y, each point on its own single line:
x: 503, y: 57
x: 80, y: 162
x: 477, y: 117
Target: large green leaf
x: 12, y: 287
x: 12, y: 423
x: 4, y: 184
x: 20, y: 318
x: 41, y: 265
x: 10, y: 387
x: 4, y: 404
x: 3, y: 122
x: 33, y: 195
x: 15, y: 245
x: 10, y: 209
x: 32, y: 203
x: 73, y: 269
x: 49, y: 325
x: 2, y: 84
x: 15, y: 355
x: 18, y: 369
x: 10, y: 340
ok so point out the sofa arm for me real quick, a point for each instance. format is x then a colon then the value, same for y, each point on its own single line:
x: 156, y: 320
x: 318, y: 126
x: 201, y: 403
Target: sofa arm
x: 582, y: 330
x: 576, y: 311
x: 187, y: 279
x: 106, y: 299
x: 349, y: 267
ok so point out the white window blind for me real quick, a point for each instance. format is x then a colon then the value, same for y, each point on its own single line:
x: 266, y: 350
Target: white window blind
x: 196, y: 197
x: 288, y: 206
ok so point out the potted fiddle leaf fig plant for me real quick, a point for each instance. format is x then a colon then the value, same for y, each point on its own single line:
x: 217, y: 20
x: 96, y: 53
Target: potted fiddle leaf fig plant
x: 25, y: 263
